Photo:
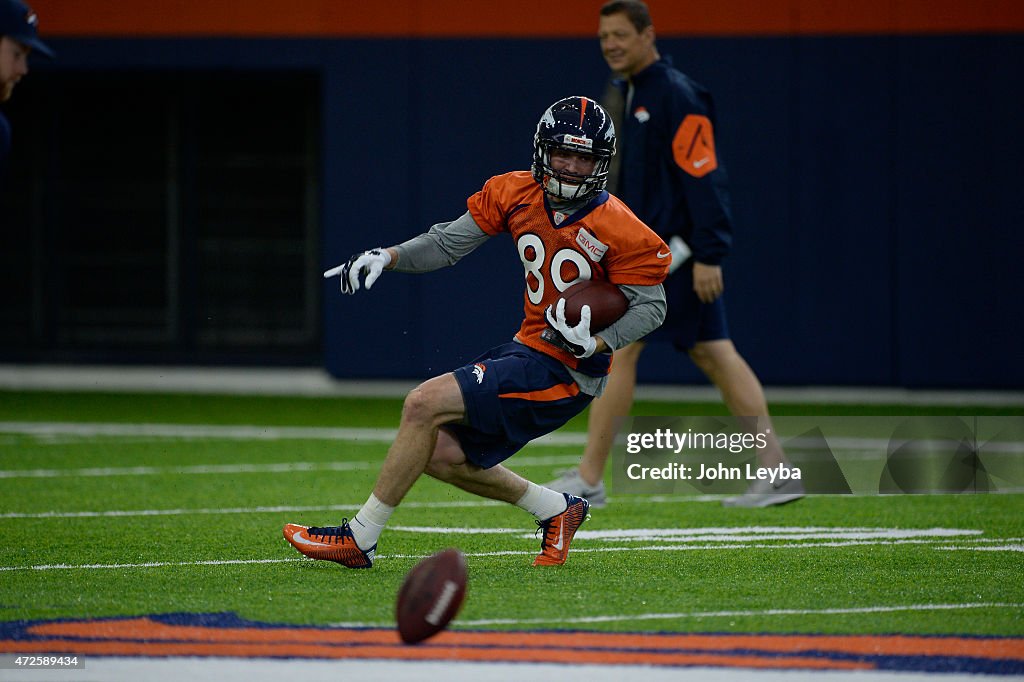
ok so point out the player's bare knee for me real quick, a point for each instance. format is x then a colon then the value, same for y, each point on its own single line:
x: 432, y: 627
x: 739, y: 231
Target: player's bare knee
x: 702, y: 358
x: 711, y: 356
x: 433, y: 403
x: 420, y: 406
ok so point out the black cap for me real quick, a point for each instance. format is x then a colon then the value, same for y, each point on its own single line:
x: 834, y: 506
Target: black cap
x: 18, y: 21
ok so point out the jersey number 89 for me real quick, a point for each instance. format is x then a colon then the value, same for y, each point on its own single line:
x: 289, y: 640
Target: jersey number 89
x: 533, y: 255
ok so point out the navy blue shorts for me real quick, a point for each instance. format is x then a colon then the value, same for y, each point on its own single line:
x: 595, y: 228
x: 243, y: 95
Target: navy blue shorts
x: 513, y: 394
x: 688, y: 320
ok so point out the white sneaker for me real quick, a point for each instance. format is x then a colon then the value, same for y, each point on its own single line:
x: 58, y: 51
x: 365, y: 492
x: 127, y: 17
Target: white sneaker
x: 764, y: 493
x: 571, y: 482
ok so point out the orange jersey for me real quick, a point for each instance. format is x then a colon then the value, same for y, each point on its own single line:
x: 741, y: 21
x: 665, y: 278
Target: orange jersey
x: 603, y: 240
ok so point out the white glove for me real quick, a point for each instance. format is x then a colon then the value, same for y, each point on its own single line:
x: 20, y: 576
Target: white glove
x: 576, y: 340
x: 366, y: 265
x: 680, y: 252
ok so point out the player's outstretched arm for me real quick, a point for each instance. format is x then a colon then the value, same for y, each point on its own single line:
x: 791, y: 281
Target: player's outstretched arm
x: 442, y: 245
x: 365, y: 267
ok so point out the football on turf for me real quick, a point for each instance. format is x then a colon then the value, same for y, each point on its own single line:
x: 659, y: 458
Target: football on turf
x: 607, y: 303
x: 431, y: 595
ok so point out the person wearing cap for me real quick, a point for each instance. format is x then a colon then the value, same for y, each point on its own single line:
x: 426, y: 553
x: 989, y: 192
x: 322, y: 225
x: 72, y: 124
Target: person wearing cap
x: 18, y: 38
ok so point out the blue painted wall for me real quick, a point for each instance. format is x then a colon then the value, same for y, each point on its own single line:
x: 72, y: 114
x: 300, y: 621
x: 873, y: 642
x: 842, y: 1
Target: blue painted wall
x: 877, y: 187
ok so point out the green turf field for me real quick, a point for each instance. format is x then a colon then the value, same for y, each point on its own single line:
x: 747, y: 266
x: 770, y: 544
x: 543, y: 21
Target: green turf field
x: 131, y: 521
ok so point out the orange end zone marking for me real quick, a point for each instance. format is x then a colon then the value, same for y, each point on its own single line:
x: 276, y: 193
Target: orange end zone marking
x: 149, y: 637
x: 875, y: 645
x: 148, y: 630
x: 425, y: 652
x: 144, y: 629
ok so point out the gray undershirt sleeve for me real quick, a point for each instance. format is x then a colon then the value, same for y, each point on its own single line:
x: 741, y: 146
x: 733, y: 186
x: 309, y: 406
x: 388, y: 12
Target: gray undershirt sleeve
x: 647, y: 308
x: 442, y: 245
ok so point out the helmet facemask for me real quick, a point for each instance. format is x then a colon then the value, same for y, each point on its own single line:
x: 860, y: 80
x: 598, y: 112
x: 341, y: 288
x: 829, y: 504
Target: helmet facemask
x: 563, y: 185
x: 579, y: 125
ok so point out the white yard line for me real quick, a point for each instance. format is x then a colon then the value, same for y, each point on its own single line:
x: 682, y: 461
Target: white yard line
x: 751, y: 613
x: 149, y: 564
x: 774, y: 539
x: 231, y: 432
x: 315, y: 381
x: 193, y: 431
x: 990, y: 548
x: 252, y: 468
x: 239, y: 468
x: 298, y: 509
x: 64, y: 432
x: 353, y: 506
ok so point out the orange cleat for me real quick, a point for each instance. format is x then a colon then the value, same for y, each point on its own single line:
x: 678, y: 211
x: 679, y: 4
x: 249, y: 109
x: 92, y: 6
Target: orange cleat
x: 329, y: 543
x: 559, y: 531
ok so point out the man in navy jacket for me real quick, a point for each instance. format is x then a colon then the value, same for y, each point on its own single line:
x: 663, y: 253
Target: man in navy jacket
x: 669, y: 174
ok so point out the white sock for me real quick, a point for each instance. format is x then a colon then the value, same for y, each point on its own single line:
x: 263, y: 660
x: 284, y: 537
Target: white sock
x: 369, y: 522
x: 542, y: 502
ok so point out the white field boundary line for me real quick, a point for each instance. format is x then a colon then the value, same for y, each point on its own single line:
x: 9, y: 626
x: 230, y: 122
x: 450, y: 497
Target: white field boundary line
x: 353, y: 506
x: 192, y: 431
x: 313, y: 381
x: 232, y: 432
x: 855, y: 445
x: 270, y: 468
x: 237, y: 510
x: 416, y: 557
x: 732, y: 534
x: 752, y: 613
x: 1019, y: 547
x: 240, y: 468
x: 452, y: 504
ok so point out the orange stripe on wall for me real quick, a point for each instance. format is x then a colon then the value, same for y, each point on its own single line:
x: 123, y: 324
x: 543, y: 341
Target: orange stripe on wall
x: 518, y: 18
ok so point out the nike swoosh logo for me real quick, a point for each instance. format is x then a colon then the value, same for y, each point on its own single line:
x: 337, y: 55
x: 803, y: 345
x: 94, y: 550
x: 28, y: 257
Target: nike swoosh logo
x: 303, y: 541
x: 558, y: 545
x: 700, y: 164
x: 663, y: 255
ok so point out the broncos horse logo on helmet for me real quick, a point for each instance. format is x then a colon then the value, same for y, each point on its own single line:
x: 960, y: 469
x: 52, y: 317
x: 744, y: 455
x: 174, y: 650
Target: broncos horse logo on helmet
x: 576, y: 124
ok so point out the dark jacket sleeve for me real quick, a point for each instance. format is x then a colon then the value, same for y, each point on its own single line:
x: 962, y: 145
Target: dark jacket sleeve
x: 5, y: 144
x: 703, y: 211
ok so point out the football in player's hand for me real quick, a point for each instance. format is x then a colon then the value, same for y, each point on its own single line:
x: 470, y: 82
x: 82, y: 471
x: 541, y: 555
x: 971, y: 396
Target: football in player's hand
x: 607, y: 303
x: 431, y: 595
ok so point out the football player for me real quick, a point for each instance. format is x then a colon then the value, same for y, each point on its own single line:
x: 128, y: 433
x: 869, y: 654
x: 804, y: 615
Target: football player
x: 459, y: 427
